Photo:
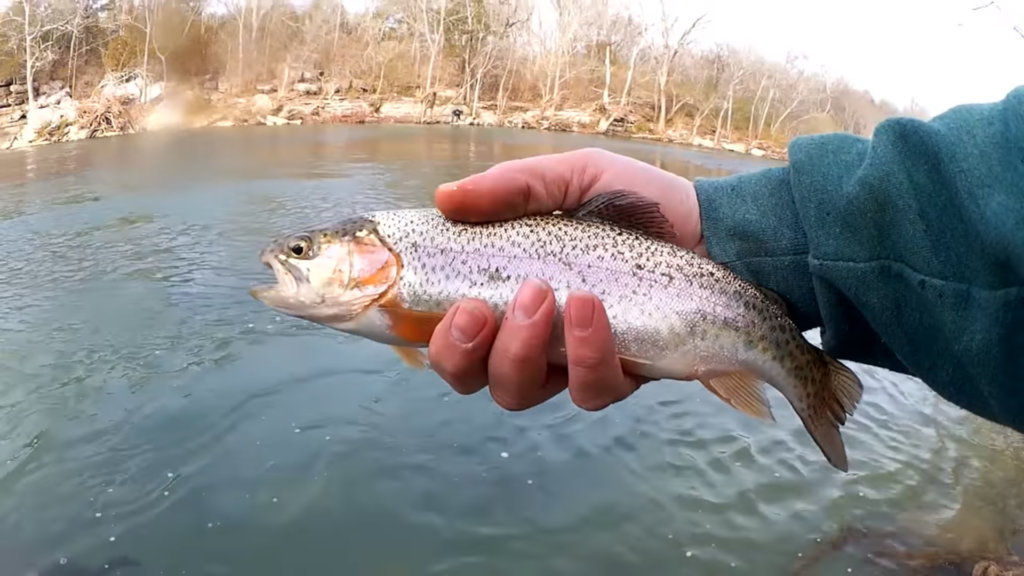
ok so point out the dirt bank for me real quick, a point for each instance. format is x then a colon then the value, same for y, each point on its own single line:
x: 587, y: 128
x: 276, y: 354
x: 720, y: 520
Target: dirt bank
x: 121, y: 107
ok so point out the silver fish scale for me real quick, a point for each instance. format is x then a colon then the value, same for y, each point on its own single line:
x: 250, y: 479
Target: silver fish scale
x: 659, y: 297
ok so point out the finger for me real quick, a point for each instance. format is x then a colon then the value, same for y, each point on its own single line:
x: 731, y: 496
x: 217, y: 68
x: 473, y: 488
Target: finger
x: 518, y: 364
x: 535, y: 185
x: 460, y: 345
x: 596, y: 379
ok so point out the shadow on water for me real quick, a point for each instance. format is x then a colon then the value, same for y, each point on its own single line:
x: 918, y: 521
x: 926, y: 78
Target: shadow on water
x: 983, y: 535
x: 150, y: 408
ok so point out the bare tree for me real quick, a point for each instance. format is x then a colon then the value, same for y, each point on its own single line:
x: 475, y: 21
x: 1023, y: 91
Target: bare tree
x: 42, y: 26
x: 432, y: 15
x: 495, y: 55
x: 673, y: 40
x: 992, y: 4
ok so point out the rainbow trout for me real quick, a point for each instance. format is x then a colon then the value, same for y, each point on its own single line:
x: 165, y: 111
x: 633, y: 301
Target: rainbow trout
x: 390, y: 276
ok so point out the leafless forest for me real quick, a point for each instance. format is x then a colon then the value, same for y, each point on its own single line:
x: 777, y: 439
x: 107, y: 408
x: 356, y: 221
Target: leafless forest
x: 482, y: 54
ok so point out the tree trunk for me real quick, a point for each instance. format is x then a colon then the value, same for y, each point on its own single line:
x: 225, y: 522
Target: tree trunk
x: 629, y: 76
x: 337, y: 28
x: 241, y: 47
x: 73, y: 49
x: 145, y: 56
x: 764, y: 113
x: 29, y: 72
x: 501, y: 86
x: 607, y: 74
x: 661, y: 98
x: 753, y: 109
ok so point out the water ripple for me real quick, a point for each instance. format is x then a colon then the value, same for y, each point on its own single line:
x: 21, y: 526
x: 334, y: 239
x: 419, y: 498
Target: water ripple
x: 148, y: 405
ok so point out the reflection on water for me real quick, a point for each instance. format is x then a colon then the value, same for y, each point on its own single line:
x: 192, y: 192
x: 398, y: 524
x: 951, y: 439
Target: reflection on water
x: 149, y: 408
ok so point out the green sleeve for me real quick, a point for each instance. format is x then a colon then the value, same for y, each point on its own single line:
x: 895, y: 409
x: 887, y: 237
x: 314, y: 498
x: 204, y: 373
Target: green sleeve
x: 907, y: 249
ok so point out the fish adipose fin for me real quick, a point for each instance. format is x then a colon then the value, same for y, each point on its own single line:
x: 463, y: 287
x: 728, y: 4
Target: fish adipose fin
x: 628, y: 210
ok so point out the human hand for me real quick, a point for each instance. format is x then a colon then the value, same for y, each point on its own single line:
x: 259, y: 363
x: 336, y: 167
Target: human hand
x: 470, y: 352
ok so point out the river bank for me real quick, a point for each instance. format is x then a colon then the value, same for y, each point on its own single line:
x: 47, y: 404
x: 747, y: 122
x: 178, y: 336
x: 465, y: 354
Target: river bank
x: 129, y: 106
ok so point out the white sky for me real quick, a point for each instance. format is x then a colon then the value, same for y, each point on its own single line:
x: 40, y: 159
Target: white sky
x: 939, y: 52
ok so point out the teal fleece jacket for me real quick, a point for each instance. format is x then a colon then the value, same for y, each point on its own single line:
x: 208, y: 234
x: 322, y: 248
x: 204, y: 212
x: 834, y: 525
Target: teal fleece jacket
x: 906, y: 249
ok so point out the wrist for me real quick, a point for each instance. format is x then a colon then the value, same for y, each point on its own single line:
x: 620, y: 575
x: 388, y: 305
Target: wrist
x: 750, y: 224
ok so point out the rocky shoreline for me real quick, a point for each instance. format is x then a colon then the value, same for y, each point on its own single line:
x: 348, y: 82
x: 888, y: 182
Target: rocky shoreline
x: 129, y: 105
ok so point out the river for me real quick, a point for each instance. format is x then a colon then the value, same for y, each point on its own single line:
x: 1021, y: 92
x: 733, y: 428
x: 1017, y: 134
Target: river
x: 149, y: 407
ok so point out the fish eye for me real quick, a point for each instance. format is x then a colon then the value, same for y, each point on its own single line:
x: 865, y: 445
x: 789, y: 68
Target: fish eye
x: 301, y: 247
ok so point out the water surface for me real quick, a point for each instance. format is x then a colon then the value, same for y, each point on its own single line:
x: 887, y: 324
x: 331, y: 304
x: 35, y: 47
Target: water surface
x: 150, y: 407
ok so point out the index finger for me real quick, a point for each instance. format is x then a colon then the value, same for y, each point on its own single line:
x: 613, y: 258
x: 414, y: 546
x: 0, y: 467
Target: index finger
x: 515, y: 188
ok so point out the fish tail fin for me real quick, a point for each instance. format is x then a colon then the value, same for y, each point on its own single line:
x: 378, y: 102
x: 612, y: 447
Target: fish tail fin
x: 828, y: 394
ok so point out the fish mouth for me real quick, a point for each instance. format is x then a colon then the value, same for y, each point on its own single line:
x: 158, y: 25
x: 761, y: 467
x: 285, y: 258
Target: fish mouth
x: 285, y: 285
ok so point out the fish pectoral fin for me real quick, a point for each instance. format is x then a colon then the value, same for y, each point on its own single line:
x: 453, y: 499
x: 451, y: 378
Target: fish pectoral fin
x: 413, y: 327
x: 414, y: 357
x: 629, y: 210
x: 743, y: 391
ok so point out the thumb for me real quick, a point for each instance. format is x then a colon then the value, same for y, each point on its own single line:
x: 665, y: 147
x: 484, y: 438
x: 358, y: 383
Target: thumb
x: 515, y: 188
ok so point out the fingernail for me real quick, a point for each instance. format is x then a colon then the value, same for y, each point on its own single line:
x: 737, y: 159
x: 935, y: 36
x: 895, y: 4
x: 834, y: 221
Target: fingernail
x: 467, y: 324
x: 581, y: 311
x: 529, y: 299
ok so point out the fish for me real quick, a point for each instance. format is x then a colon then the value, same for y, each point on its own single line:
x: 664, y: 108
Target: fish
x: 390, y: 276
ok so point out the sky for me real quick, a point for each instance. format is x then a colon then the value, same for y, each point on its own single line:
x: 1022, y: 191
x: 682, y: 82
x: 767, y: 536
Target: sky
x: 938, y: 52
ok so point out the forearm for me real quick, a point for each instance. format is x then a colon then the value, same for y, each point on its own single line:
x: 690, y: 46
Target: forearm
x: 907, y: 249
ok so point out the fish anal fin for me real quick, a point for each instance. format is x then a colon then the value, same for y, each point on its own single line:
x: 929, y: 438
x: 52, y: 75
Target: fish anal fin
x: 412, y: 327
x: 743, y: 391
x: 629, y: 210
x: 414, y: 357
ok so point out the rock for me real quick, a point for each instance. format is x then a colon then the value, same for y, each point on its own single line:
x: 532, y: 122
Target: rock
x: 53, y: 86
x: 297, y: 112
x: 278, y: 121
x: 40, y: 118
x: 262, y: 105
x: 6, y: 82
x: 59, y: 97
x: 154, y: 92
x: 76, y: 132
x: 223, y: 123
x: 703, y: 142
x: 757, y: 152
x: 306, y: 88
x: 735, y: 147
x: 19, y: 89
x: 266, y: 88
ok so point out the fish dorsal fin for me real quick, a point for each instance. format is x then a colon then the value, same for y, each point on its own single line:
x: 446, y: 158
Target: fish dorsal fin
x: 743, y: 391
x: 628, y: 210
x: 775, y: 298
